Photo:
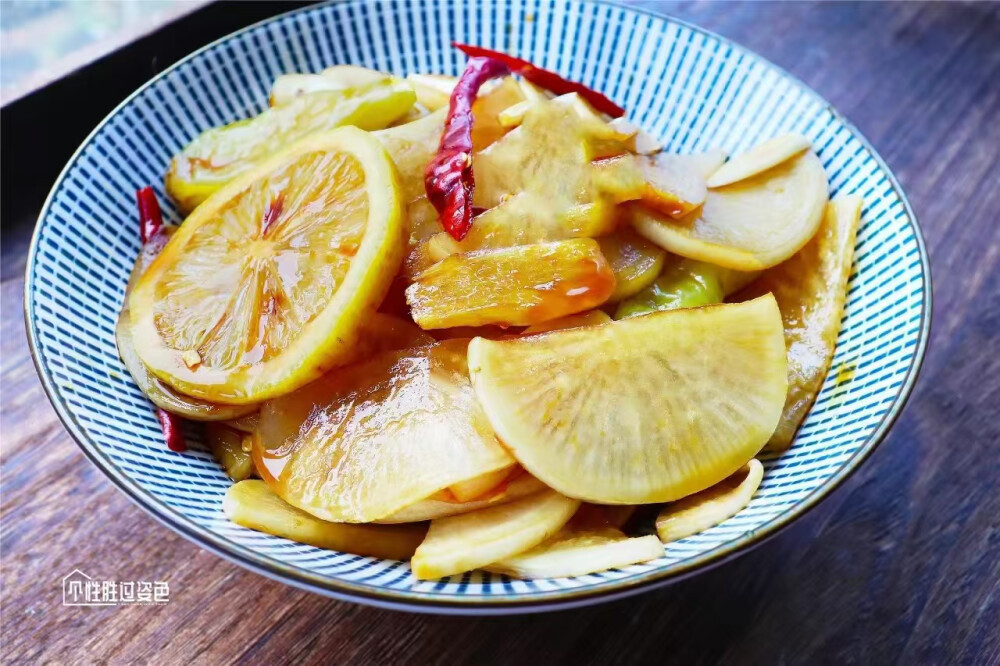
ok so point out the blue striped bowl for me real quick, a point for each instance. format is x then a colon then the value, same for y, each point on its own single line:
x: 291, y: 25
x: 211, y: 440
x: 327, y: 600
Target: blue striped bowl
x: 689, y: 87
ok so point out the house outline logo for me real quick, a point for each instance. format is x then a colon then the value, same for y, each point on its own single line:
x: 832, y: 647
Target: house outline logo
x: 79, y: 589
x: 75, y: 586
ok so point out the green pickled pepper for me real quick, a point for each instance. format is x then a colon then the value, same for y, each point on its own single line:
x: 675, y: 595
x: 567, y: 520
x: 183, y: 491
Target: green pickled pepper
x: 685, y: 283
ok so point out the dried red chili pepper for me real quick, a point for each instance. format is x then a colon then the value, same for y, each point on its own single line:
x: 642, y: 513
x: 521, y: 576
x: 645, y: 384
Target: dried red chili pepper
x: 545, y: 78
x: 150, y: 218
x: 172, y: 433
x: 150, y: 226
x: 448, y: 179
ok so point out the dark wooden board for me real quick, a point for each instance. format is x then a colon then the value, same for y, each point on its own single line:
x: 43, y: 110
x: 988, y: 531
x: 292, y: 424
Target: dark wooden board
x: 901, y: 565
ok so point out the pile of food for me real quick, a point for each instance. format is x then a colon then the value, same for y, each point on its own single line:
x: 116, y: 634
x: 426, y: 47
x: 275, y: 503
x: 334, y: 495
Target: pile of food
x: 477, y: 322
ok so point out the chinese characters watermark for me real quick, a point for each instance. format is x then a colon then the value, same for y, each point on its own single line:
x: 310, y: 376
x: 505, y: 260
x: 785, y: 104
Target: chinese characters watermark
x: 79, y: 589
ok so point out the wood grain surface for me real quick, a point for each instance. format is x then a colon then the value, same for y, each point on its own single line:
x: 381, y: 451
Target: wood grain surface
x: 901, y: 565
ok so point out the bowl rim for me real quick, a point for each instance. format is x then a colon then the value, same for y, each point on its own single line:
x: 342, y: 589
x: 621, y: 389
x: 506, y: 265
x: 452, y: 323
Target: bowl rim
x: 413, y: 601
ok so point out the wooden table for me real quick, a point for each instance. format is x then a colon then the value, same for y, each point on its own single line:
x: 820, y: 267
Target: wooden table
x: 901, y: 565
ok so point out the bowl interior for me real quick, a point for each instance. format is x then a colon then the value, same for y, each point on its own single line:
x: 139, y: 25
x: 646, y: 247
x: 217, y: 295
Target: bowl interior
x: 693, y: 89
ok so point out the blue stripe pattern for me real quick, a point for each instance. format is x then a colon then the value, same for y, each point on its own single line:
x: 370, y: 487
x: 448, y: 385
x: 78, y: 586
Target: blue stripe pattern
x: 692, y: 89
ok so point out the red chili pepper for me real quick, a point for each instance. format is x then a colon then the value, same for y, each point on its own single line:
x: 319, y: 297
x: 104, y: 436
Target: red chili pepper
x: 545, y: 78
x: 172, y: 433
x: 150, y: 225
x: 150, y: 218
x: 448, y: 179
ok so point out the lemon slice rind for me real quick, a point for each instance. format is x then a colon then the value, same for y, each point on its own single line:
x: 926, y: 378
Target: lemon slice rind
x: 327, y: 338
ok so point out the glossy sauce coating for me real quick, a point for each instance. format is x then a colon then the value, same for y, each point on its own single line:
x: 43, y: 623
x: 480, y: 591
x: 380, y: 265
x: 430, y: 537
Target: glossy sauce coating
x: 370, y: 439
x: 811, y: 288
x: 517, y: 286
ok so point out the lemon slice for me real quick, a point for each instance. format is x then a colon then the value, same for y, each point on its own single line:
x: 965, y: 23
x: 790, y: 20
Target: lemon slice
x: 462, y: 543
x: 156, y: 391
x: 710, y: 507
x: 647, y: 409
x: 268, y: 283
x: 750, y: 225
x: 373, y: 438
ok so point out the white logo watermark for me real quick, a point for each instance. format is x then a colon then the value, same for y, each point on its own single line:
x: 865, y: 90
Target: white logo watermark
x: 79, y: 589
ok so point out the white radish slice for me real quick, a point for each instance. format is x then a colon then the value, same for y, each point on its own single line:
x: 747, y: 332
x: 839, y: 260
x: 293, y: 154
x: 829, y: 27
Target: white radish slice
x: 433, y: 90
x: 580, y: 553
x: 533, y: 92
x: 586, y: 409
x: 675, y: 174
x: 289, y: 86
x: 642, y: 142
x: 811, y: 288
x: 482, y: 485
x: 351, y: 76
x: 513, y: 115
x: 473, y: 540
x: 252, y: 504
x: 440, y: 505
x: 759, y: 159
x: 373, y: 438
x: 711, y: 506
x: 708, y: 162
x: 750, y: 225
x: 676, y: 238
x: 588, y: 318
